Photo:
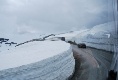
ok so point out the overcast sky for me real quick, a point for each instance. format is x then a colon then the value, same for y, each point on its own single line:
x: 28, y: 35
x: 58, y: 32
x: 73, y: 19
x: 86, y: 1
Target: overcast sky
x: 50, y: 16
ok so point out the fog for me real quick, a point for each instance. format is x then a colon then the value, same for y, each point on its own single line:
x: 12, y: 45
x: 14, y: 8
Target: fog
x: 52, y: 16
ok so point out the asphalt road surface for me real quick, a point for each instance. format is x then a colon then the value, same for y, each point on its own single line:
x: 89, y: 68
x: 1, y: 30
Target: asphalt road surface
x: 91, y: 64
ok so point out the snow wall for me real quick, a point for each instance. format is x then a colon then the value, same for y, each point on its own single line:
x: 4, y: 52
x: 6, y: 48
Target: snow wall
x: 102, y: 36
x: 58, y: 67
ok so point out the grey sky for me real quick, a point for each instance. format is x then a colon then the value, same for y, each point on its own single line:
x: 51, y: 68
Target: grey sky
x: 50, y: 16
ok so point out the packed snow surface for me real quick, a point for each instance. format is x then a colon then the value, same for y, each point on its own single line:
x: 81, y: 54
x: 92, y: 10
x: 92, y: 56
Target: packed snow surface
x: 31, y: 52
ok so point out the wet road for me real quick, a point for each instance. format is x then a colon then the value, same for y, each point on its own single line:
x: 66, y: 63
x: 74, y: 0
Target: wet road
x: 91, y: 64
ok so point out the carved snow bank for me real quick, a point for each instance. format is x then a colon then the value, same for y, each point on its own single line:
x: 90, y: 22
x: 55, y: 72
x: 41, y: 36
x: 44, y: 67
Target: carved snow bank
x: 102, y: 36
x: 43, y: 60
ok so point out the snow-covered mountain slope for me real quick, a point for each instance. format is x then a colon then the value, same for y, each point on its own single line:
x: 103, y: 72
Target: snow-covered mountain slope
x: 18, y: 38
x: 6, y: 44
x: 42, y: 60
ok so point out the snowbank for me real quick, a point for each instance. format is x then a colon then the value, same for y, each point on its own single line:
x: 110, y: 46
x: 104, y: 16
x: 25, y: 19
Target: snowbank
x: 42, y: 60
x: 70, y: 35
x: 102, y: 36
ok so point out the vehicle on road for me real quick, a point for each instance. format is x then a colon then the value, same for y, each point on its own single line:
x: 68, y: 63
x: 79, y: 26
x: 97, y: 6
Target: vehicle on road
x: 81, y: 45
x: 74, y: 43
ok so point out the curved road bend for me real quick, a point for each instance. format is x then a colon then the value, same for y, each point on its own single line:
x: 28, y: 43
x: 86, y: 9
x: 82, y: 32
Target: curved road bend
x: 91, y: 64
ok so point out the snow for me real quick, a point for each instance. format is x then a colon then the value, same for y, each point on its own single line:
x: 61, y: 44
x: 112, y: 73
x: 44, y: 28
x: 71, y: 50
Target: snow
x: 52, y: 59
x: 31, y: 52
x: 102, y: 36
x: 18, y: 38
x: 41, y: 60
x: 70, y: 35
